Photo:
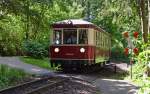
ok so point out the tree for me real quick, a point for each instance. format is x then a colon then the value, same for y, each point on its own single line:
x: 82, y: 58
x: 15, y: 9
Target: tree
x: 143, y: 7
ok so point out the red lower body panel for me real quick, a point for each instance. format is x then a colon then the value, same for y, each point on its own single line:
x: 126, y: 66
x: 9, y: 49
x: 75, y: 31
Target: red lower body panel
x: 72, y: 53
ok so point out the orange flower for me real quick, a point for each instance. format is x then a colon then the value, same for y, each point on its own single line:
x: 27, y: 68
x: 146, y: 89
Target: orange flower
x: 126, y: 51
x: 125, y: 34
x: 136, y: 50
x: 135, y: 34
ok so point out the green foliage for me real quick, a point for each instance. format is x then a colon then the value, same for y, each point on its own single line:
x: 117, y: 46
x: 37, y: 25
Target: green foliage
x: 145, y: 86
x: 118, y: 55
x: 43, y: 63
x: 143, y: 57
x: 141, y: 69
x: 11, y: 35
x: 33, y: 17
x: 9, y: 76
x: 35, y: 49
x: 116, y: 17
x: 32, y: 22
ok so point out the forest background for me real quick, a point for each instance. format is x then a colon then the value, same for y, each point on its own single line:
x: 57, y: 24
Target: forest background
x: 25, y: 27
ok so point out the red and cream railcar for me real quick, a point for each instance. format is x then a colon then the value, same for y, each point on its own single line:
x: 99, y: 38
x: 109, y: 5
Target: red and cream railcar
x: 78, y: 42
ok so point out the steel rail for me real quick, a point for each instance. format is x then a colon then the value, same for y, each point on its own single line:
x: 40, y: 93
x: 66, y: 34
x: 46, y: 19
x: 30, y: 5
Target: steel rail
x: 47, y: 87
x: 30, y: 86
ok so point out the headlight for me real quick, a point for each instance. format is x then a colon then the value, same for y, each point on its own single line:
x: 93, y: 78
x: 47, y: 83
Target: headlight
x: 56, y: 50
x: 82, y: 50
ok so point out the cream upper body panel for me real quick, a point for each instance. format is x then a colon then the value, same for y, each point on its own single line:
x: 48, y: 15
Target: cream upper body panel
x: 91, y: 34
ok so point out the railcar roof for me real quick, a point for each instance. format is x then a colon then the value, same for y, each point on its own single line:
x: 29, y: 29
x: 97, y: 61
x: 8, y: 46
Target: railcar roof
x: 76, y: 23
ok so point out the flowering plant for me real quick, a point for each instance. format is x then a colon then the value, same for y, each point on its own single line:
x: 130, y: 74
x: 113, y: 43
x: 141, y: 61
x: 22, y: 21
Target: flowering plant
x: 125, y: 34
x: 135, y: 34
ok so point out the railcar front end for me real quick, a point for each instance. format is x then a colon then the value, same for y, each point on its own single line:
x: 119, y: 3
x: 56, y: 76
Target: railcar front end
x: 76, y: 43
x: 72, y: 55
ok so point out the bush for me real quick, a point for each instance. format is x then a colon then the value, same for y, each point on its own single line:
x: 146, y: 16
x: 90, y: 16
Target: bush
x: 10, y: 43
x: 35, y: 49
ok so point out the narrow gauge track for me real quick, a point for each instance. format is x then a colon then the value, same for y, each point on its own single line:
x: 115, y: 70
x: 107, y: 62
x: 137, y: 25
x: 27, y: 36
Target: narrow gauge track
x: 91, y: 68
x: 40, y: 86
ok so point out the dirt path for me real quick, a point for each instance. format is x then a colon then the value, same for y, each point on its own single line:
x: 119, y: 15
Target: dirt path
x: 107, y: 81
x: 107, y: 85
x: 17, y: 63
x: 111, y: 86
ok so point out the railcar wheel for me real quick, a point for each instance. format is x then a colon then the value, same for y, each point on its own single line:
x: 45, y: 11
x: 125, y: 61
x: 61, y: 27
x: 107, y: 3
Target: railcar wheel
x: 104, y: 63
x: 52, y: 64
x: 87, y: 68
x: 108, y: 61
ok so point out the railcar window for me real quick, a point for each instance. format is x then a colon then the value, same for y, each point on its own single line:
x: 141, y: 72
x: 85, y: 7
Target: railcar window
x: 108, y: 42
x: 105, y: 41
x: 102, y: 40
x: 101, y: 44
x: 70, y: 36
x: 57, y: 37
x: 97, y: 38
x: 83, y: 36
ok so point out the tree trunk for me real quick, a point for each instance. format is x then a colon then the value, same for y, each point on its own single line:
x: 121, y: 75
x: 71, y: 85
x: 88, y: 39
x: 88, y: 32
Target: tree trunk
x: 145, y: 30
x: 27, y: 20
x: 144, y: 18
x: 149, y: 16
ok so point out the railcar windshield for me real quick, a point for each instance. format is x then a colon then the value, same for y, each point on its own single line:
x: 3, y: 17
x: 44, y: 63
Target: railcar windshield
x: 70, y: 36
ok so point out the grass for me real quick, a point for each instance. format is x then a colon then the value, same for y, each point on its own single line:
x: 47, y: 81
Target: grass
x: 11, y: 76
x: 43, y: 63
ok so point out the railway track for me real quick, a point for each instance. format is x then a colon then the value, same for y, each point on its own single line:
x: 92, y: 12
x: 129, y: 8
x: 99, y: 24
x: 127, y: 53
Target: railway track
x: 46, y: 85
x: 61, y: 85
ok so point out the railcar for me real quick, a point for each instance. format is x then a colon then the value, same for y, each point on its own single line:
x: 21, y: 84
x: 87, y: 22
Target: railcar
x: 76, y: 43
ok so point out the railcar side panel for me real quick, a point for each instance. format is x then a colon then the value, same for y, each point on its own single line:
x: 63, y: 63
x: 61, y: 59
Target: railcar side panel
x: 102, y: 47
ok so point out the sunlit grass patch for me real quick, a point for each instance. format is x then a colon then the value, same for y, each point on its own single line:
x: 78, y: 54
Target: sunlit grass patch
x: 43, y: 63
